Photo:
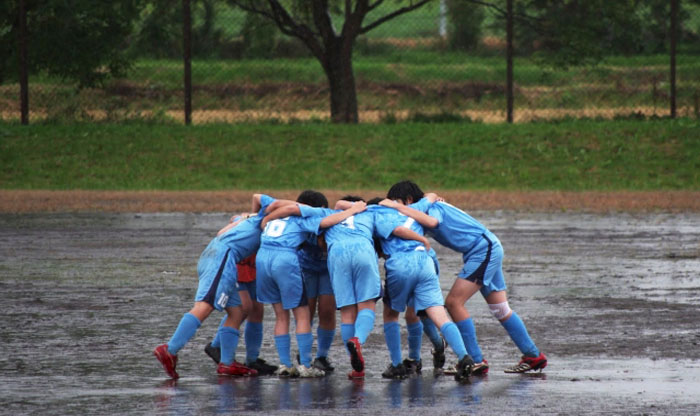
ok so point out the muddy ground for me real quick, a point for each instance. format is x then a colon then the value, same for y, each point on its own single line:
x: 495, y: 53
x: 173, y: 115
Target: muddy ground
x: 23, y: 201
x: 611, y: 295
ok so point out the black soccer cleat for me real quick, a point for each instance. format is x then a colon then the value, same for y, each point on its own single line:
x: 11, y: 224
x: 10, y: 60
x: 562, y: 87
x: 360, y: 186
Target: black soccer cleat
x: 464, y: 368
x: 395, y: 372
x: 213, y: 352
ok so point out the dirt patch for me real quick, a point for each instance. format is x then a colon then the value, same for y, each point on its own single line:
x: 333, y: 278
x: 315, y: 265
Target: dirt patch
x: 23, y: 201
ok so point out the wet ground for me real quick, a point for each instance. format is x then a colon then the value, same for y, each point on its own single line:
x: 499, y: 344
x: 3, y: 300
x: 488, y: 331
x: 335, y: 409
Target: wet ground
x: 612, y: 299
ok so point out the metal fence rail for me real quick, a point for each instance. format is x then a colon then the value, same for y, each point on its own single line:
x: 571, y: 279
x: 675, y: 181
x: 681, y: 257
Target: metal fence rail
x: 411, y: 74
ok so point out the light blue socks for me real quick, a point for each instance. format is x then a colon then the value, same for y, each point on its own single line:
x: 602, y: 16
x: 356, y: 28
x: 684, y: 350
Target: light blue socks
x: 188, y: 326
x: 392, y: 335
x: 364, y: 324
x: 454, y: 339
x: 253, y: 337
x: 229, y: 342
x: 466, y: 328
x: 415, y: 340
x: 518, y: 333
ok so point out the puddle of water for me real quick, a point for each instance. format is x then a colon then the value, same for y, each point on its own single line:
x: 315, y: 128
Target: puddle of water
x: 612, y: 299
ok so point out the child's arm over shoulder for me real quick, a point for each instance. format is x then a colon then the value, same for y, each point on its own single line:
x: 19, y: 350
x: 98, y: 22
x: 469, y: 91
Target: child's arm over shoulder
x: 408, y: 234
x: 281, y: 212
x: 334, y: 219
x: 421, y: 217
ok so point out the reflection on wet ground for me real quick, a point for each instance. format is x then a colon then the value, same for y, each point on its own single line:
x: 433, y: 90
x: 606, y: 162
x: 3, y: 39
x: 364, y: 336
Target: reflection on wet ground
x: 612, y: 299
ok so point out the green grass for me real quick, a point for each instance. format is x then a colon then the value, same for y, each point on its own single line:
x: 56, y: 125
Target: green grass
x: 417, y: 81
x: 583, y: 155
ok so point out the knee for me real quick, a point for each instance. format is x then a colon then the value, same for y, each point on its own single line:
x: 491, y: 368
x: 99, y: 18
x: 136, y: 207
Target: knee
x: 246, y: 308
x: 453, y: 303
x: 500, y: 311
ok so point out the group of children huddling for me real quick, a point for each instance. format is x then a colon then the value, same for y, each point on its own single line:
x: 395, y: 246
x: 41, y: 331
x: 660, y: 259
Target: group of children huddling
x: 301, y: 256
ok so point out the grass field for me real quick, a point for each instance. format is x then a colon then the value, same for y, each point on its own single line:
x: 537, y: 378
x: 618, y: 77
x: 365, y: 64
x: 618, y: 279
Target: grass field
x: 583, y: 155
x: 402, y: 71
x: 394, y: 86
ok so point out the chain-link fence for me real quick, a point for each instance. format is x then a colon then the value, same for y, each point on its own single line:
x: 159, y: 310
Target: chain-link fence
x: 441, y: 61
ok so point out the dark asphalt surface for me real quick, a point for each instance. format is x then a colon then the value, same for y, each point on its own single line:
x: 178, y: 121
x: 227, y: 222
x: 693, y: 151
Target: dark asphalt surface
x: 612, y: 299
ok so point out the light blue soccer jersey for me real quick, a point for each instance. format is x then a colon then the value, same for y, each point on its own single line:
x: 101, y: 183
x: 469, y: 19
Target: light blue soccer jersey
x: 352, y: 261
x: 360, y: 225
x: 456, y: 229
x: 217, y: 264
x: 244, y: 239
x: 387, y: 219
x: 289, y: 232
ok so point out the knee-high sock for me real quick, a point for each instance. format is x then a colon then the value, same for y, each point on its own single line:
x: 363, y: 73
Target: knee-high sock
x: 216, y: 342
x: 229, y: 342
x: 324, y: 339
x: 347, y: 331
x: 282, y: 343
x: 518, y: 333
x: 415, y: 340
x: 364, y: 324
x: 304, y: 342
x: 431, y: 331
x: 253, y: 340
x: 188, y: 326
x: 454, y: 338
x: 392, y: 335
x: 466, y: 328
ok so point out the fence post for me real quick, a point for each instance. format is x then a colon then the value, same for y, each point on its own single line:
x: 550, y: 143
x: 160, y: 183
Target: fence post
x: 442, y: 26
x: 23, y: 70
x: 674, y: 39
x: 187, y: 57
x: 509, y: 60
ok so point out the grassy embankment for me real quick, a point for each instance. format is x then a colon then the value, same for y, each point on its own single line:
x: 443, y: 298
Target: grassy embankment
x: 574, y: 156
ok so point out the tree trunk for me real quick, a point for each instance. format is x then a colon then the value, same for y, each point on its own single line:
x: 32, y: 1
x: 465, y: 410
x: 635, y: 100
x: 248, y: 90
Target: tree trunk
x: 341, y: 79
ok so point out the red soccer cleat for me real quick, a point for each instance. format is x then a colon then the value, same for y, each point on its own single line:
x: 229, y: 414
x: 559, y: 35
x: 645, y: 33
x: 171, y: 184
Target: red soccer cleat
x: 529, y: 363
x: 480, y: 369
x: 235, y: 369
x: 168, y: 360
x: 356, y: 375
x: 356, y: 360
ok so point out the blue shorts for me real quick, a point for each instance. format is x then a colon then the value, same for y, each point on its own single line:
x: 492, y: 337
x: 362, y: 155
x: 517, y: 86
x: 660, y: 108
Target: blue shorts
x: 250, y: 287
x: 317, y: 283
x: 411, y: 280
x: 354, y: 271
x: 218, y: 284
x: 278, y: 277
x: 483, y: 265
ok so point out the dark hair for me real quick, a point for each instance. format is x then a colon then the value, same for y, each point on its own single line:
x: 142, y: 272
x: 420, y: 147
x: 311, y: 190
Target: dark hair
x: 352, y: 198
x: 313, y: 198
x: 402, y: 190
x: 375, y: 200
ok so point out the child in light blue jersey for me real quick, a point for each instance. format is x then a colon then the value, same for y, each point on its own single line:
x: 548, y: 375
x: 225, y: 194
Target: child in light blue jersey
x: 411, y: 278
x: 279, y: 282
x: 313, y: 260
x: 218, y: 290
x: 354, y: 272
x: 482, y: 254
x: 253, y: 312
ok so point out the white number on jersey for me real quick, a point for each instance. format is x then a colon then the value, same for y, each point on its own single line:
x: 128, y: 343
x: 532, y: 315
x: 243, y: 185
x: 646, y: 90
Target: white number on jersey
x: 275, y: 228
x: 349, y: 222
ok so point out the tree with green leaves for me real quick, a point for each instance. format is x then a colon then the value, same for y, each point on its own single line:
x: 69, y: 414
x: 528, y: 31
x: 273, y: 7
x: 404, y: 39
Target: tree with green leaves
x: 77, y: 40
x: 573, y: 32
x: 312, y: 22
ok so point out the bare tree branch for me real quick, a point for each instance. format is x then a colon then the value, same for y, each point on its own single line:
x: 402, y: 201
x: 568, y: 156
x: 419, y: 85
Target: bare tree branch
x: 392, y: 15
x: 284, y: 21
x: 322, y: 19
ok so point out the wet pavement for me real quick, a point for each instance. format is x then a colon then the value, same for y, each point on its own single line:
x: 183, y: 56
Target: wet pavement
x: 612, y: 299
